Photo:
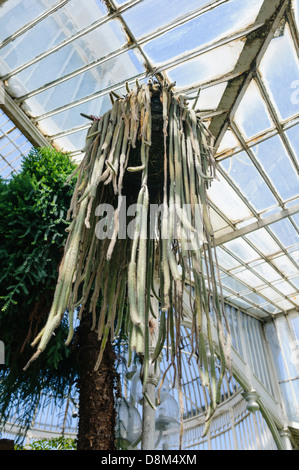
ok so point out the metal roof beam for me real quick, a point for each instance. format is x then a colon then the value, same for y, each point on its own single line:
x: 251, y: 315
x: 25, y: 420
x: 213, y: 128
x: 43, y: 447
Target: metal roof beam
x: 257, y: 139
x: 21, y: 120
x: 256, y: 44
x: 257, y: 225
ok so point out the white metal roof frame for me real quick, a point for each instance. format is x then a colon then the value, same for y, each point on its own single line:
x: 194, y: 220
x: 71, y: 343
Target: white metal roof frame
x: 273, y: 16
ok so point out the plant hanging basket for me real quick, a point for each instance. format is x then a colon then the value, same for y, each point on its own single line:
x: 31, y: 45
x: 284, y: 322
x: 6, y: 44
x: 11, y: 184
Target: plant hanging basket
x: 152, y: 149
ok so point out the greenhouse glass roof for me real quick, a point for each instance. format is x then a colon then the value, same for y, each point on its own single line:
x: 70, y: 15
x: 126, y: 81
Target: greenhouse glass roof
x: 59, y: 61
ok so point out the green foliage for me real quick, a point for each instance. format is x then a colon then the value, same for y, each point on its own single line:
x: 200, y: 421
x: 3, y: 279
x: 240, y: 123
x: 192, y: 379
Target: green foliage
x: 56, y: 443
x: 33, y: 207
x: 33, y: 211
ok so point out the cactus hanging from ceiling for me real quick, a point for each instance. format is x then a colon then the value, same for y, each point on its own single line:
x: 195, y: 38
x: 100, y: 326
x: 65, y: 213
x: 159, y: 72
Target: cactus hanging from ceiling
x: 149, y: 151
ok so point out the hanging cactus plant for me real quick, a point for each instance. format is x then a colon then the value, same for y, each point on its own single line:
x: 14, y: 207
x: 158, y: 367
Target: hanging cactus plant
x: 152, y: 150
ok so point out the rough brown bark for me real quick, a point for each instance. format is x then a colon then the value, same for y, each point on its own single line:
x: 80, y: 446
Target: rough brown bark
x: 6, y: 444
x: 96, y: 403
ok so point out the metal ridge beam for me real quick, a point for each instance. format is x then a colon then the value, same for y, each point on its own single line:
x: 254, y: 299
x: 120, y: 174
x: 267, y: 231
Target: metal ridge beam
x: 256, y: 44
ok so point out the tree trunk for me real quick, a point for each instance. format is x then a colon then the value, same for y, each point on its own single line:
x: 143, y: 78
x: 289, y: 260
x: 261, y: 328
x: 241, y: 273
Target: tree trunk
x: 96, y: 403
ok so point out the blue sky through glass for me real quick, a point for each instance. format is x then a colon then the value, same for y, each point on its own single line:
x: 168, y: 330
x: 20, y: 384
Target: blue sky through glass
x: 273, y: 157
x: 203, y: 29
x: 285, y: 232
x: 208, y: 66
x: 280, y: 70
x: 156, y: 14
x: 18, y: 13
x: 13, y: 146
x: 252, y: 116
x: 293, y: 136
x: 243, y: 172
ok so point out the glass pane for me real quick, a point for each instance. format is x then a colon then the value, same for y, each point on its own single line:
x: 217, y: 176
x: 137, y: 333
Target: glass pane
x: 156, y: 14
x: 295, y: 324
x: 285, y: 265
x: 231, y: 205
x: 276, y: 351
x: 249, y: 278
x: 252, y: 115
x: 288, y: 345
x: 218, y: 222
x: 62, y: 24
x: 241, y: 249
x: 264, y: 242
x: 241, y: 303
x: 245, y: 175
x: 274, y: 159
x: 121, y: 2
x: 72, y: 142
x: 289, y: 401
x: 295, y: 218
x: 270, y: 293
x: 255, y: 298
x: 72, y: 117
x: 14, y: 15
x: 229, y: 141
x: 295, y: 281
x: 285, y: 233
x: 109, y: 73
x: 237, y: 329
x: 284, y: 304
x: 214, y: 24
x: 296, y: 8
x: 295, y: 384
x: 266, y: 271
x: 270, y: 308
x: 234, y: 285
x: 229, y: 313
x: 293, y: 136
x: 83, y: 51
x: 29, y: 45
x: 281, y: 80
x: 13, y: 146
x: 285, y: 288
x: 225, y: 260
x: 209, y: 98
x: 294, y: 254
x: 207, y: 66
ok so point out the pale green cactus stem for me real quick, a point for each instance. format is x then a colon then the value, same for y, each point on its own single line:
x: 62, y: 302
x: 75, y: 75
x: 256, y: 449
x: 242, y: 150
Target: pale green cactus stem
x: 63, y: 290
x: 121, y: 301
x: 113, y: 157
x: 94, y: 168
x: 141, y: 282
x: 134, y: 117
x: 122, y: 272
x: 71, y: 328
x: 132, y: 268
x: 161, y: 337
x: 135, y: 169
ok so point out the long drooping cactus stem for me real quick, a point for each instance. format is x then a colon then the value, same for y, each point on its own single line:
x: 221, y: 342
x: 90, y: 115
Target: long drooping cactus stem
x: 111, y: 273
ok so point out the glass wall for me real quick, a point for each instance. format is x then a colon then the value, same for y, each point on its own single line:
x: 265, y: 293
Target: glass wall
x: 13, y: 147
x: 249, y: 342
x: 283, y: 337
x: 233, y: 429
